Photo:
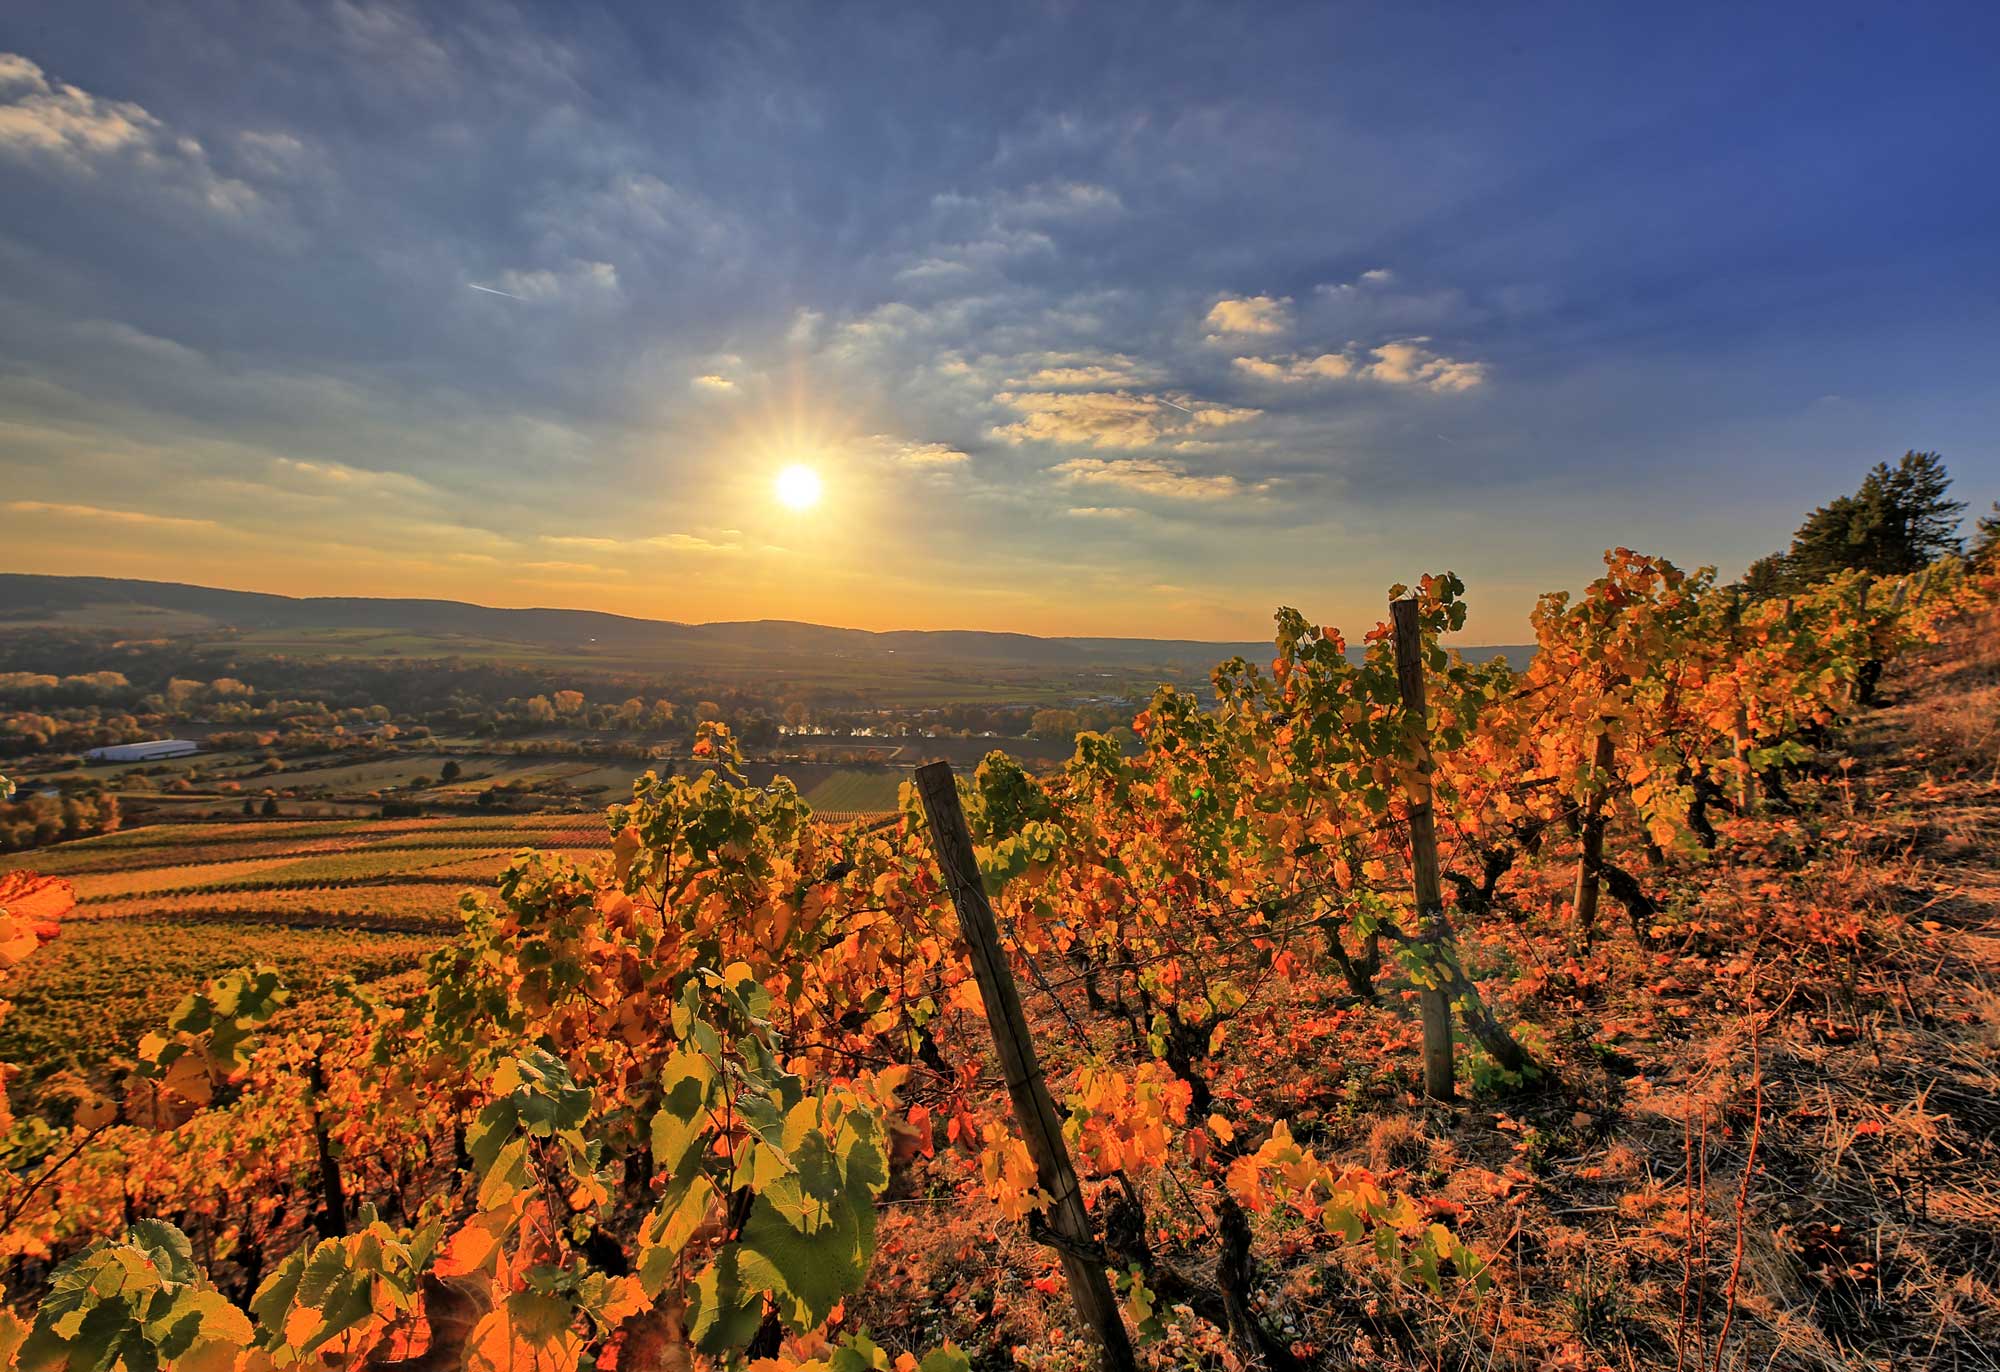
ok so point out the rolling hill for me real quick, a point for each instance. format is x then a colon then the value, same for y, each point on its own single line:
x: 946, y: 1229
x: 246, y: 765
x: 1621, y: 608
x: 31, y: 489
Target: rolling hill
x: 368, y: 626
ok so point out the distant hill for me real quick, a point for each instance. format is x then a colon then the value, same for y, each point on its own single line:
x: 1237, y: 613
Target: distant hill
x: 370, y: 626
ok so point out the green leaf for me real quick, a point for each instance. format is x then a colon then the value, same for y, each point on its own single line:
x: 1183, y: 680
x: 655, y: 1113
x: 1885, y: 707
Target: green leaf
x: 669, y: 1228
x: 508, y: 1177
x: 724, y: 1312
x: 167, y: 1248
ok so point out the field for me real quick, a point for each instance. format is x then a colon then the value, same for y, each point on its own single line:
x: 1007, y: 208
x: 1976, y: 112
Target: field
x: 163, y: 908
x: 112, y: 981
x: 856, y: 791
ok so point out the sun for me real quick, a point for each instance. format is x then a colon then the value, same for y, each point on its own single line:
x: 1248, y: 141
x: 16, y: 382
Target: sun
x: 798, y: 487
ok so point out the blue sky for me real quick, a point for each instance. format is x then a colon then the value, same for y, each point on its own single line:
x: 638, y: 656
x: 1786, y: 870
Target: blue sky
x: 1113, y: 319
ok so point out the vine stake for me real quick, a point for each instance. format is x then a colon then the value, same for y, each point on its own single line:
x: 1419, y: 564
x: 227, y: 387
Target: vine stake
x: 1034, y: 1110
x: 1440, y: 1081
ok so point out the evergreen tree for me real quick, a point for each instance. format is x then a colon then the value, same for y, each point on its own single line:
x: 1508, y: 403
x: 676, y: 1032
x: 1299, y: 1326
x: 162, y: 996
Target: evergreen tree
x: 1766, y: 578
x: 1986, y: 544
x: 1901, y: 520
x: 1919, y: 513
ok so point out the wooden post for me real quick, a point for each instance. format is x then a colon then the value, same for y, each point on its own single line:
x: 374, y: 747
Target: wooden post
x: 1034, y: 1111
x: 332, y: 1219
x: 1741, y: 743
x: 1439, y: 1079
x: 1590, y: 867
x: 1746, y: 770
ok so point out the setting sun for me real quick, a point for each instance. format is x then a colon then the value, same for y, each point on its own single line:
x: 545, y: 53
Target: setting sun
x: 798, y: 488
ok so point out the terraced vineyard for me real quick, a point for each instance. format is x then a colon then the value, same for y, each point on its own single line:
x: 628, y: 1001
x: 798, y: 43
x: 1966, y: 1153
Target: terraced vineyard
x: 166, y: 907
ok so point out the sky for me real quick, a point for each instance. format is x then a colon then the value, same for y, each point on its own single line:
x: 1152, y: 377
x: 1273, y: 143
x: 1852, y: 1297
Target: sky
x: 1132, y: 319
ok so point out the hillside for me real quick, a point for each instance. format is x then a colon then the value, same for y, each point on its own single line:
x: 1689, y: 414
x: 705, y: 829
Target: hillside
x: 722, y: 1080
x: 365, y: 626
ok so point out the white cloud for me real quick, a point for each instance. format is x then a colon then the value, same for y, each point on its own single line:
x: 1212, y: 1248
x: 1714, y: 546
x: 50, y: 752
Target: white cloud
x: 1410, y: 363
x: 1149, y: 476
x: 1325, y: 367
x: 931, y: 455
x: 986, y: 254
x: 892, y: 451
x: 714, y: 384
x: 635, y: 217
x: 1407, y: 362
x: 693, y: 543
x: 1110, y: 419
x: 274, y: 154
x: 885, y: 323
x: 115, y: 334
x: 1064, y: 200
x: 338, y: 477
x: 639, y: 547
x: 1102, y: 511
x: 1377, y: 277
x: 1042, y: 201
x: 81, y: 134
x: 673, y: 543
x: 575, y: 280
x: 1257, y: 314
x: 67, y: 122
x: 572, y: 568
x: 1062, y: 371
x: 101, y: 514
x: 804, y: 331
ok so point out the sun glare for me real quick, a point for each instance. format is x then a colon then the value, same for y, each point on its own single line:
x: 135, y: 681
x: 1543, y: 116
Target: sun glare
x: 798, y: 488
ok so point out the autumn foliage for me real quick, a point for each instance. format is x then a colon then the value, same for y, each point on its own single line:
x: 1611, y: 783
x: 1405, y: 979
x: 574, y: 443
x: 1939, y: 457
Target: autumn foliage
x: 647, y: 1108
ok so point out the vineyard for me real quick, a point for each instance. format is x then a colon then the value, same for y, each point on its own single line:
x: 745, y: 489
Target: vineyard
x: 1379, y: 1008
x: 163, y: 908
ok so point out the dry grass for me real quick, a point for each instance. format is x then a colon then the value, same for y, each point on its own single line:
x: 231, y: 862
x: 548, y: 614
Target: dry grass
x: 1870, y: 1234
x: 1954, y: 722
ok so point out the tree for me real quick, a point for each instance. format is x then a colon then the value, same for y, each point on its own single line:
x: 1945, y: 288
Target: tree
x: 270, y: 810
x: 1922, y: 516
x: 1054, y: 724
x: 1766, y: 578
x: 450, y: 772
x: 1987, y: 542
x: 1901, y: 520
x: 182, y: 694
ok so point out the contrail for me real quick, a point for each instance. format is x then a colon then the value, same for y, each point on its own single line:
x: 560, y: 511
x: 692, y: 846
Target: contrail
x: 1164, y: 401
x: 491, y: 291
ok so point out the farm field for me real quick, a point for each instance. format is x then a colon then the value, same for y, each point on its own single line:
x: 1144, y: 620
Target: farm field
x: 163, y: 908
x: 88, y: 1002
x: 852, y: 790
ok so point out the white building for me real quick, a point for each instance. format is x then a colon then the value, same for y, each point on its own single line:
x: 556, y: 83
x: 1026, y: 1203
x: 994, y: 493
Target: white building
x: 152, y: 750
